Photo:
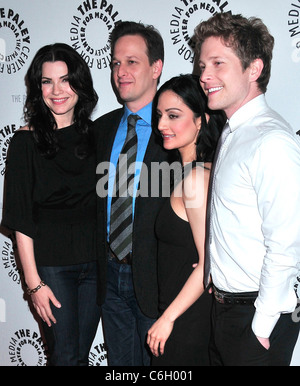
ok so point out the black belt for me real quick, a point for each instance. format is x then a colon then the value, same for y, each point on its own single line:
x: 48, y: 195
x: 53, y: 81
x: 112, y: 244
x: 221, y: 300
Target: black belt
x: 241, y: 298
x: 126, y: 260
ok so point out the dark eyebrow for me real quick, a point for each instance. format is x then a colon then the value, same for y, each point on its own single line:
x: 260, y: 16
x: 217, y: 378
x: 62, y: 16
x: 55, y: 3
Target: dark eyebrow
x: 61, y: 77
x: 130, y: 57
x: 173, y: 108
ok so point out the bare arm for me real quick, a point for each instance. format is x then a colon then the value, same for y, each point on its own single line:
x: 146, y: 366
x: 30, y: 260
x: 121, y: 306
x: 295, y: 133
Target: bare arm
x: 194, y: 199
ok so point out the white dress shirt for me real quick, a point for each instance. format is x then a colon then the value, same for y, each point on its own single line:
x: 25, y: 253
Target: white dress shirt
x: 255, y: 220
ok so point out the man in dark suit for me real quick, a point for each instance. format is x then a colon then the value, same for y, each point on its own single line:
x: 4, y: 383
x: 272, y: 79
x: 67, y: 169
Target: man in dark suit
x: 128, y: 285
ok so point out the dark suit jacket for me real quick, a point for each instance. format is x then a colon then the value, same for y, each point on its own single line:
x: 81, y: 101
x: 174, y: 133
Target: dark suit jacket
x: 144, y: 254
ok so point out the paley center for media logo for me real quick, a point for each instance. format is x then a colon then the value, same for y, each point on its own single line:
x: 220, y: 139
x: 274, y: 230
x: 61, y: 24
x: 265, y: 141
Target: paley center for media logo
x: 2, y: 50
x: 90, y: 31
x: 185, y: 16
x: 26, y: 348
x: 294, y: 29
x: 14, y: 41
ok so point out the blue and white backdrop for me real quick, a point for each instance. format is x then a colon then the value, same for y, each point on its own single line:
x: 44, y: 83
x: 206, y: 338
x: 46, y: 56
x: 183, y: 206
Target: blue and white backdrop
x: 26, y: 25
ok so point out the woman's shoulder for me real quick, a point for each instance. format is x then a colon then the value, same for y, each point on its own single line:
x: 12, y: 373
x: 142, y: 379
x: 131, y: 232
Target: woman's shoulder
x: 195, y: 185
x: 24, y: 129
x: 21, y: 137
x: 198, y: 169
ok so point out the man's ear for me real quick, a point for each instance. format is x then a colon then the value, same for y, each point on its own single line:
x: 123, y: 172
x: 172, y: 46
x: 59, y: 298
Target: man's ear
x: 256, y: 68
x: 157, y: 68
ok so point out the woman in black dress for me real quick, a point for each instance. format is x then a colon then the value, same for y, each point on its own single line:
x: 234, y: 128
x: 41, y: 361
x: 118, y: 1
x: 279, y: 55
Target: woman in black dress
x: 181, y: 335
x: 50, y: 201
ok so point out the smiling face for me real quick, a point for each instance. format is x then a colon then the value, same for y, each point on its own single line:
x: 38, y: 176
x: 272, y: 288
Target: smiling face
x: 135, y: 79
x: 57, y: 92
x: 177, y: 125
x: 227, y: 85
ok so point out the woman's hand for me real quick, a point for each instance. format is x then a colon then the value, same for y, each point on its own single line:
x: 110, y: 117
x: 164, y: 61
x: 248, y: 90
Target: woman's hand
x: 265, y: 342
x: 42, y: 297
x: 158, y: 335
x: 41, y: 302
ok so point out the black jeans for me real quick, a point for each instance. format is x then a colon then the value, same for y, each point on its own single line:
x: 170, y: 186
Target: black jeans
x: 233, y: 342
x: 75, y: 287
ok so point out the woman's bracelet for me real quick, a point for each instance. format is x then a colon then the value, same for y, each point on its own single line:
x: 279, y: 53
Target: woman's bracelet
x: 34, y: 290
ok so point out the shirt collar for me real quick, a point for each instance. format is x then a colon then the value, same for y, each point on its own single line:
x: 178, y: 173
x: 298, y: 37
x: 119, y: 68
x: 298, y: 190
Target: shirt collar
x: 145, y: 113
x: 248, y: 111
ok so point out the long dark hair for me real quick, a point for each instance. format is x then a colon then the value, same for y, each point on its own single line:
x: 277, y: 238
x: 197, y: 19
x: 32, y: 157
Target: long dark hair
x: 188, y: 88
x: 38, y: 116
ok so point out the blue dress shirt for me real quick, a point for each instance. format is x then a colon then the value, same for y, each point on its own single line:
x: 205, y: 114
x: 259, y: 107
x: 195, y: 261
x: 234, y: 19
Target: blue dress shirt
x: 143, y: 130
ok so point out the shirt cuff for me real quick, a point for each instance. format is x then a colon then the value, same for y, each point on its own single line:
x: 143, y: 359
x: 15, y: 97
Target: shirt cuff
x: 262, y: 325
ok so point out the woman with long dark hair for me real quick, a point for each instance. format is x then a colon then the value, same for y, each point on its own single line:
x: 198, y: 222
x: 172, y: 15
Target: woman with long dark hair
x: 50, y: 201
x: 181, y: 335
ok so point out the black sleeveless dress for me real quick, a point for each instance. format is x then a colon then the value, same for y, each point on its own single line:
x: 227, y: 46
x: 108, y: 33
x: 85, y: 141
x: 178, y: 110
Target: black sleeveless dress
x: 188, y: 343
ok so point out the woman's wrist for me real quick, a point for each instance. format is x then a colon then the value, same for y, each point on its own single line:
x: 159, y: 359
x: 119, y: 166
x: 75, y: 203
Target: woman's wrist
x: 35, y: 289
x: 168, y: 316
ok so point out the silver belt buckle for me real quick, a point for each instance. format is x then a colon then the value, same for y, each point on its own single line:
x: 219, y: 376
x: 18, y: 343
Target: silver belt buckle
x: 219, y: 297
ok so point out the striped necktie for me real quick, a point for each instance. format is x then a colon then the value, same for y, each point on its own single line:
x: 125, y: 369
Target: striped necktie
x: 224, y: 135
x: 121, y: 206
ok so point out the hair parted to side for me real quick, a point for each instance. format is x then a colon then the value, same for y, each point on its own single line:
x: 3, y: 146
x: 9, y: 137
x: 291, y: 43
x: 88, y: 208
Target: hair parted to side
x: 249, y: 38
x: 153, y: 39
x: 38, y: 116
x: 187, y: 87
